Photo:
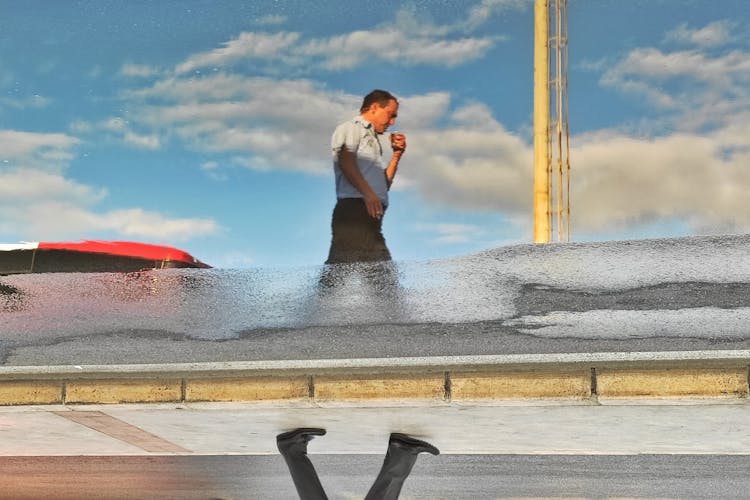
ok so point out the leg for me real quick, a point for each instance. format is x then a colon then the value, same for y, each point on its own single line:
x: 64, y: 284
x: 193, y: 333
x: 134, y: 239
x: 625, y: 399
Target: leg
x: 399, y: 460
x: 355, y: 236
x: 293, y: 447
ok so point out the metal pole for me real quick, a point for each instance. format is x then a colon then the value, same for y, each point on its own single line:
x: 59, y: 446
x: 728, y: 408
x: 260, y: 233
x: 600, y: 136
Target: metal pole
x: 559, y: 118
x: 564, y: 34
x: 541, y: 197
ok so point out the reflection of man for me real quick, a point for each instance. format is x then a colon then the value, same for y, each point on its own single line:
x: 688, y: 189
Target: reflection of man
x: 11, y: 298
x: 362, y: 180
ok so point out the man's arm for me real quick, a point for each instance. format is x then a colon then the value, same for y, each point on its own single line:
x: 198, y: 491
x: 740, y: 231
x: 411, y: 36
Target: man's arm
x: 398, y: 143
x: 348, y: 166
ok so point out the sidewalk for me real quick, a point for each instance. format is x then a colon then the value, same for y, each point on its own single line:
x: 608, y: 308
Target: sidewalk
x: 614, y: 403
x: 622, y: 427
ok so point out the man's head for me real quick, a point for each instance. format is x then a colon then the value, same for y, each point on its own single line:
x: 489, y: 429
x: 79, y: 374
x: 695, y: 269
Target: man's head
x: 380, y: 108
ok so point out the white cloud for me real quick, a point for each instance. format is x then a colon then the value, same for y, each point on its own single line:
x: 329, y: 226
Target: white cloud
x: 42, y: 206
x: 712, y: 35
x: 621, y: 181
x: 38, y: 150
x: 212, y: 170
x: 32, y: 102
x: 121, y: 130
x: 481, y: 13
x: 691, y: 89
x: 406, y: 41
x: 81, y: 127
x: 138, y: 70
x: 265, y: 123
x: 140, y: 223
x: 694, y: 169
x: 246, y: 46
x: 50, y: 219
x: 270, y: 20
x: 38, y: 202
x: 139, y: 141
x: 25, y: 186
x: 452, y: 233
x: 467, y: 159
x: 391, y: 45
x: 654, y: 64
x: 269, y: 123
x: 115, y: 124
x: 418, y: 110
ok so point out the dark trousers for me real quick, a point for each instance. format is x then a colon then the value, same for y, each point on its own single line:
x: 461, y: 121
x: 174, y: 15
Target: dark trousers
x: 305, y: 478
x: 355, y: 236
x: 396, y: 467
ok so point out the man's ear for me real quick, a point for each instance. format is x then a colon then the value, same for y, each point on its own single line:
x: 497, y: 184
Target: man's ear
x: 371, y: 108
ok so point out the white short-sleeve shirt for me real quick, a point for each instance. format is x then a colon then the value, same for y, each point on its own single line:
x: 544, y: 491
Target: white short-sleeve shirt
x: 358, y: 136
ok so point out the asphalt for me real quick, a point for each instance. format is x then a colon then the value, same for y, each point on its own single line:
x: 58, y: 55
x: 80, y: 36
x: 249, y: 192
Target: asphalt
x: 685, y: 294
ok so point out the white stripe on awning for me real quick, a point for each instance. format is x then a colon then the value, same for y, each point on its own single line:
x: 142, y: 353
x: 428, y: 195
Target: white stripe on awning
x: 24, y: 245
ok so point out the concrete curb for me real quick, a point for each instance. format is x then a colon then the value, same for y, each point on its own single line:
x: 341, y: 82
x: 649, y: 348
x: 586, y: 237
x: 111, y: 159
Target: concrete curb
x: 707, y: 374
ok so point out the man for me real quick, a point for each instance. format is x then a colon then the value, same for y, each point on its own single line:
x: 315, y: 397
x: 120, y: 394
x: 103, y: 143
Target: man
x: 400, y: 458
x: 362, y: 180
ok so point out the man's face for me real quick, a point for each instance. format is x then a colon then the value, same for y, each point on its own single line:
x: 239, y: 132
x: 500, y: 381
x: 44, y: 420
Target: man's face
x: 383, y: 117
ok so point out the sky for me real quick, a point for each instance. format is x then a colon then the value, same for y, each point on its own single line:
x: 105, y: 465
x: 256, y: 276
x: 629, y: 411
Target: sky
x: 206, y: 124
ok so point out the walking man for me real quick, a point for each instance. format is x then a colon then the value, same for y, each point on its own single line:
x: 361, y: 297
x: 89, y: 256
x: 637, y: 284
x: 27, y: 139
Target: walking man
x: 363, y: 180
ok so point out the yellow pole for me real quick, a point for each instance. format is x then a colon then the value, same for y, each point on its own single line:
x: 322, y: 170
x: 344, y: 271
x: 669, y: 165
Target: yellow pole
x: 541, y: 122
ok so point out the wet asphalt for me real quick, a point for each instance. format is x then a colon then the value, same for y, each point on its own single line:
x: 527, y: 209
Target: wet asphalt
x: 646, y: 295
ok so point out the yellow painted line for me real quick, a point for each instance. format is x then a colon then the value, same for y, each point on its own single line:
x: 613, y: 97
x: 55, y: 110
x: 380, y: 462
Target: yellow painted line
x: 508, y: 385
x: 30, y: 392
x: 123, y: 431
x: 123, y: 391
x: 247, y: 389
x: 707, y: 382
x: 443, y: 378
x: 430, y: 386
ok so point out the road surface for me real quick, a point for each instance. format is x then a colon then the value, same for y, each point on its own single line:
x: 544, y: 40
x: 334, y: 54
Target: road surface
x: 647, y: 295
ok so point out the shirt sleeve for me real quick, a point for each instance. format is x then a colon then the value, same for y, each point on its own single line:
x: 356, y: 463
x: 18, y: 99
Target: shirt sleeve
x: 347, y: 136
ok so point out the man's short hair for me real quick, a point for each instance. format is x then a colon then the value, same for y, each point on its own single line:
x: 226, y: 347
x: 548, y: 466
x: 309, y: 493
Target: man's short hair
x: 381, y: 97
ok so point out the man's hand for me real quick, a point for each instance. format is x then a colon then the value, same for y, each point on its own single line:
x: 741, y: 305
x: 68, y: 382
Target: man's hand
x: 374, y: 205
x: 398, y: 142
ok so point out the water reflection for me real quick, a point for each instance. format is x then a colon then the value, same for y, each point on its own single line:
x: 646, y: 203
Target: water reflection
x: 348, y: 292
x: 495, y: 285
x: 11, y: 298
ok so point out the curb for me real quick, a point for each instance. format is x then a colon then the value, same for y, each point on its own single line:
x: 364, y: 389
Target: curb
x: 446, y: 379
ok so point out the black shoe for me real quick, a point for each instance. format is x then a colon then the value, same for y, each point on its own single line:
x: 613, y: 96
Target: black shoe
x: 412, y: 444
x: 303, y: 434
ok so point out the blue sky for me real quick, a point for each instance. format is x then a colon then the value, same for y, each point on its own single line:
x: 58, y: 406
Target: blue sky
x: 206, y: 124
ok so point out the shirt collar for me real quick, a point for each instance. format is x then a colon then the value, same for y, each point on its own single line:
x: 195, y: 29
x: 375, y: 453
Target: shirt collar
x: 364, y: 122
